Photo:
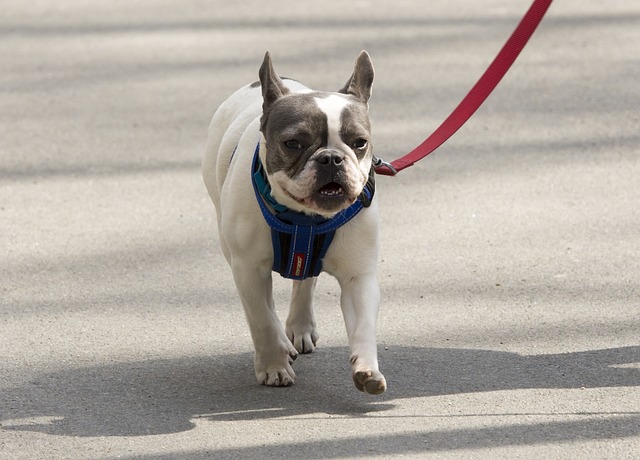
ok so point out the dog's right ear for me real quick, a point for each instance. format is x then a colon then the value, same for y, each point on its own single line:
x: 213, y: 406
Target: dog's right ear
x: 272, y: 86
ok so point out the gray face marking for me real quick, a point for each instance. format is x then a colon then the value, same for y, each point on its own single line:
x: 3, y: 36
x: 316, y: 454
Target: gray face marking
x: 355, y: 127
x: 294, y: 118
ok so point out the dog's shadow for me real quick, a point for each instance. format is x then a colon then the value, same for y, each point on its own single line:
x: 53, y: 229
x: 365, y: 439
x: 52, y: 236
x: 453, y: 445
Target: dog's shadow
x: 165, y: 396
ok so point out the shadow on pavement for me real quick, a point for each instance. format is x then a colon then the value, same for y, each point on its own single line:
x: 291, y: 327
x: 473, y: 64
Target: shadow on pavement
x: 433, y: 441
x: 165, y: 396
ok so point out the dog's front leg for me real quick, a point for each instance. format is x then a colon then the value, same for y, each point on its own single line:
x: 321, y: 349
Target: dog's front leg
x: 301, y: 325
x: 274, y: 352
x: 360, y: 301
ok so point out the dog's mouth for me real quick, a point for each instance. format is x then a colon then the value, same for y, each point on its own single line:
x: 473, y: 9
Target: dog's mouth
x: 331, y: 190
x: 331, y: 197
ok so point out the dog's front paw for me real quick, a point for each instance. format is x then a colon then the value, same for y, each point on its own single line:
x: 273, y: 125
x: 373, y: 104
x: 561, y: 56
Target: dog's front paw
x: 275, y: 370
x: 303, y: 338
x: 276, y: 376
x: 372, y: 382
x: 366, y: 379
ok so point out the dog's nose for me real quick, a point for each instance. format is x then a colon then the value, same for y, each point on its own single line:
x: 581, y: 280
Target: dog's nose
x: 329, y: 157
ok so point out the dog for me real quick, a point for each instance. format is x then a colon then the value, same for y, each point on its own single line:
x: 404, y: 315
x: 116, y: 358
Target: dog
x: 283, y: 164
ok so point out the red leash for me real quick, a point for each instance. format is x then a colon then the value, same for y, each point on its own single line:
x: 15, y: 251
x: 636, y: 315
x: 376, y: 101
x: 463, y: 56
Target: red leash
x: 474, y: 99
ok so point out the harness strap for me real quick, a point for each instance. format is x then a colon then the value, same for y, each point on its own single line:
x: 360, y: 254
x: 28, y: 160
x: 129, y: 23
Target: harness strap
x: 260, y: 181
x: 300, y: 241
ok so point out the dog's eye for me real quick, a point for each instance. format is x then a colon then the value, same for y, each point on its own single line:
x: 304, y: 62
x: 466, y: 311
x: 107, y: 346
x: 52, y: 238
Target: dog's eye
x: 293, y: 145
x: 359, y: 144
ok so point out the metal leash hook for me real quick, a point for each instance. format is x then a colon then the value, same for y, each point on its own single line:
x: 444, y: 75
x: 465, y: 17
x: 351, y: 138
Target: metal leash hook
x: 379, y: 163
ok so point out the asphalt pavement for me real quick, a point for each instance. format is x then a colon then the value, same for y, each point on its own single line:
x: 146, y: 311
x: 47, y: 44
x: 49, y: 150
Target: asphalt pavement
x: 510, y: 265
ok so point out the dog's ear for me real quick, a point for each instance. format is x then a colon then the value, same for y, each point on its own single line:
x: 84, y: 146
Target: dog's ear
x: 359, y: 85
x: 272, y: 86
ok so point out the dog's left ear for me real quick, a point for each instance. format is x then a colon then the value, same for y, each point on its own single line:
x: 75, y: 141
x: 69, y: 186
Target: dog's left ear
x: 359, y: 85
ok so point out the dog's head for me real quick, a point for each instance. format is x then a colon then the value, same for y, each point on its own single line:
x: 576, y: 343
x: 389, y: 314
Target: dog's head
x: 318, y: 144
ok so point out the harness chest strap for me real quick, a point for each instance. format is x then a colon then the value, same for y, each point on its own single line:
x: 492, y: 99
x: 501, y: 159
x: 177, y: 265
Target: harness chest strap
x: 300, y: 241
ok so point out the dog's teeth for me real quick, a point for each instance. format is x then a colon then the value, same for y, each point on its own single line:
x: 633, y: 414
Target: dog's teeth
x: 331, y: 190
x: 334, y: 192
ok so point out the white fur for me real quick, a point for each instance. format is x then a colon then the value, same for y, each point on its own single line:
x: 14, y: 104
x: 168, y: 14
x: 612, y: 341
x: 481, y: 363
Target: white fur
x: 333, y: 106
x: 246, y: 244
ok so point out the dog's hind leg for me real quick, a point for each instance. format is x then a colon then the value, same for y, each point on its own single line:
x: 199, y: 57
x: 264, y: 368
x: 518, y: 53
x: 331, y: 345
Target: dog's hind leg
x: 301, y: 325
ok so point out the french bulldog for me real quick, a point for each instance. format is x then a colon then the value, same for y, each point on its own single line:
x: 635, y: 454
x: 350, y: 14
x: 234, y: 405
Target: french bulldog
x: 315, y: 151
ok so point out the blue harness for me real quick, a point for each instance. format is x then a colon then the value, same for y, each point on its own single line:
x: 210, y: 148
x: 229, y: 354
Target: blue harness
x: 301, y: 241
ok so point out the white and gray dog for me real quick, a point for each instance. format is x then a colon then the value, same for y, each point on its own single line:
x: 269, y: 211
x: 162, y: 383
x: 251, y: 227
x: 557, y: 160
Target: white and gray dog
x: 289, y: 170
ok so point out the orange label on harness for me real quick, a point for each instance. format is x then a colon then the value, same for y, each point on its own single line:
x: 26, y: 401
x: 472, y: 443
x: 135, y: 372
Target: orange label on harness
x: 298, y: 264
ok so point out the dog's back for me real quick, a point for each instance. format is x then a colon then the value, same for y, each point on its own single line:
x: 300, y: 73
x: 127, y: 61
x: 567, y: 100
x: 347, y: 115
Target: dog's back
x: 228, y: 125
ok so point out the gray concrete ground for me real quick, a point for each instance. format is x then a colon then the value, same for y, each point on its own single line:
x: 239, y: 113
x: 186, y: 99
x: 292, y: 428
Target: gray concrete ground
x: 510, y: 271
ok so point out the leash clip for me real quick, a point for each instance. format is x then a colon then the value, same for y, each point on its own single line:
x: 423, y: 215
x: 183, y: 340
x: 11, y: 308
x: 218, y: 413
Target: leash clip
x: 379, y: 163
